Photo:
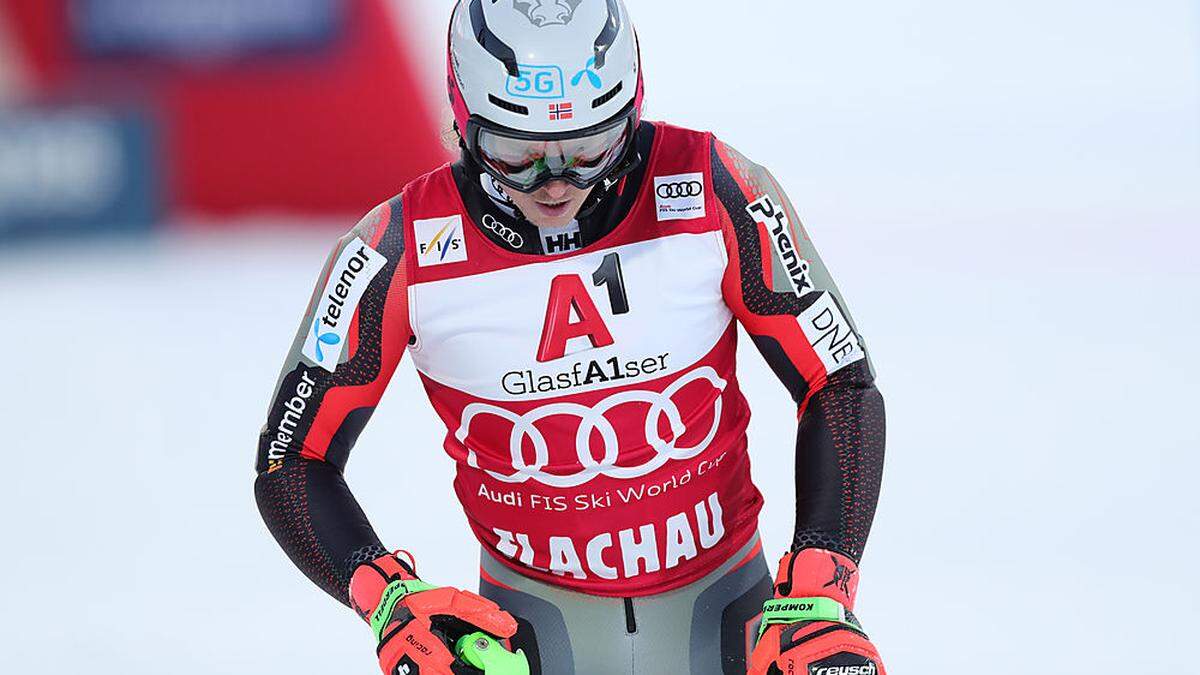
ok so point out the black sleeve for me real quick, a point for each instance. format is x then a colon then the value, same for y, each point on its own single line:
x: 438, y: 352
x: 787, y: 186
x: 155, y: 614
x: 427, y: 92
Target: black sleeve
x: 839, y: 465
x: 311, y: 512
x: 782, y: 294
x: 317, y: 414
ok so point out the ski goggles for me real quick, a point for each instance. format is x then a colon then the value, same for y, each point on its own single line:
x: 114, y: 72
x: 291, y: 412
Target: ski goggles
x: 525, y: 162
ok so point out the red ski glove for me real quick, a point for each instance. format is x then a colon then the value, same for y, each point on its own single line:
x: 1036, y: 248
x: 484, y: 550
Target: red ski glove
x: 808, y: 628
x: 417, y: 624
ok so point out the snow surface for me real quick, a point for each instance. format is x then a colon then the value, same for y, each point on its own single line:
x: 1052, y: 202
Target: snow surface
x: 1007, y: 195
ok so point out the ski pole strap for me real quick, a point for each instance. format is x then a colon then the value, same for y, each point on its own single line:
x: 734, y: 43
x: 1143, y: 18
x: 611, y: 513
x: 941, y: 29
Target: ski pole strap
x: 794, y: 610
x: 392, y: 595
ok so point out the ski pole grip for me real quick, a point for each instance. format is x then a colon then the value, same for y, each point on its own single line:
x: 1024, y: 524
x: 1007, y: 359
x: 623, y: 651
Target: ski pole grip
x: 487, y: 654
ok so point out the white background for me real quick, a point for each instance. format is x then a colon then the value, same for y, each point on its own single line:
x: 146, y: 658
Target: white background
x: 1008, y: 194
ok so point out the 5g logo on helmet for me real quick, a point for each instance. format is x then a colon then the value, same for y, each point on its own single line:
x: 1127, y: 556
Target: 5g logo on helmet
x: 536, y: 82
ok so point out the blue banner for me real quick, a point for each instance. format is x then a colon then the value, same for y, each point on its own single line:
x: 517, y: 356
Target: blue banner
x: 203, y: 28
x: 77, y: 170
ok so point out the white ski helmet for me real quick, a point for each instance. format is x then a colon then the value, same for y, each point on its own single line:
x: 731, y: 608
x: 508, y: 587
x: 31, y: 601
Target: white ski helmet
x: 563, y: 71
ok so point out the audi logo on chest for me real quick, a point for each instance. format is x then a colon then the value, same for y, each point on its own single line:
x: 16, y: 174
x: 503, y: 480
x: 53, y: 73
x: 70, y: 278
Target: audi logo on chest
x: 597, y: 420
x: 679, y: 197
x: 510, y: 236
x: 691, y: 188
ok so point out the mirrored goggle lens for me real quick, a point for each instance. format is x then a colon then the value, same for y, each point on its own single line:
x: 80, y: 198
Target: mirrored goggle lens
x: 527, y: 162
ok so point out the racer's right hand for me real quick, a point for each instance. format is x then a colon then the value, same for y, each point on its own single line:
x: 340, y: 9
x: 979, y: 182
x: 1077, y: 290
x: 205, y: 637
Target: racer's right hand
x: 417, y: 624
x: 807, y: 627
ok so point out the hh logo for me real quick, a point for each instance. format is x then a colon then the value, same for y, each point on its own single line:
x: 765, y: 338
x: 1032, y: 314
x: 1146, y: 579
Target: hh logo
x: 562, y: 239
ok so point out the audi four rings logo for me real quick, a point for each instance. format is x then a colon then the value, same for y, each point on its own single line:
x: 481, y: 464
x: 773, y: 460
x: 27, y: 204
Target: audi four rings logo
x: 592, y: 420
x: 505, y: 232
x: 691, y: 188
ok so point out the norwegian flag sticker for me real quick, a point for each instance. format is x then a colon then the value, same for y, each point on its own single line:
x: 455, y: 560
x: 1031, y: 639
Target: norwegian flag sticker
x: 561, y: 111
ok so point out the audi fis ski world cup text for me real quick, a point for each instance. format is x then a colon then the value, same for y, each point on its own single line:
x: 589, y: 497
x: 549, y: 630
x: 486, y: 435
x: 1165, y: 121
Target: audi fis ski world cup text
x: 597, y: 501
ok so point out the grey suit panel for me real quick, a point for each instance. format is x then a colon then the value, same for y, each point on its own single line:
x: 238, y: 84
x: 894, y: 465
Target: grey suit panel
x: 703, y: 628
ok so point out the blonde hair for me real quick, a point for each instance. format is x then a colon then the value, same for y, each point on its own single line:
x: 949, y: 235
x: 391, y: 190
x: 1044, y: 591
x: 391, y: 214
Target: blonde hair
x: 451, y: 138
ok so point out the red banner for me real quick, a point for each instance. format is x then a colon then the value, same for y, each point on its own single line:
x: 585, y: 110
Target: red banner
x: 309, y: 128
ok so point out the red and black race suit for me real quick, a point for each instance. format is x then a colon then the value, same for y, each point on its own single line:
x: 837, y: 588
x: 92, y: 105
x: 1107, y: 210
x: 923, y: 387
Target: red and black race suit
x: 590, y: 396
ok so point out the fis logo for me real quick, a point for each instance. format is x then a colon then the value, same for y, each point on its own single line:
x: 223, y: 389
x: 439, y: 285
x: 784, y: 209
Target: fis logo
x: 768, y: 213
x: 348, y: 280
x: 440, y: 241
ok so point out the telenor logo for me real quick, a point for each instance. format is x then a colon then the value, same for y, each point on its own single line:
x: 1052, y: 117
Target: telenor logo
x: 324, y: 338
x: 592, y: 76
x: 348, y: 280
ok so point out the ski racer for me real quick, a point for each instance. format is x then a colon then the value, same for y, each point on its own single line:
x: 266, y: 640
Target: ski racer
x: 569, y: 291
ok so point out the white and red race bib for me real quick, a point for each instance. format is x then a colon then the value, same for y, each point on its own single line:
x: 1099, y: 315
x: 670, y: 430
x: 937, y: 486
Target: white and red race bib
x: 590, y: 398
